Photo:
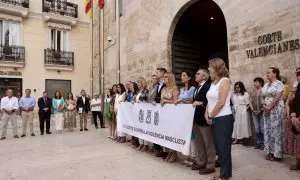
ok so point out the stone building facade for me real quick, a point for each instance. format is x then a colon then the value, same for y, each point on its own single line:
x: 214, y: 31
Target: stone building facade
x: 44, y: 45
x: 252, y: 36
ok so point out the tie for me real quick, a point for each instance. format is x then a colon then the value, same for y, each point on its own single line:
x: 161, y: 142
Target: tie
x: 45, y: 102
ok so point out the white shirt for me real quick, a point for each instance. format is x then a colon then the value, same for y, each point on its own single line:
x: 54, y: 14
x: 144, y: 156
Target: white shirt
x: 213, y: 97
x: 96, y: 108
x: 160, y: 85
x: 9, y: 103
x: 83, y: 99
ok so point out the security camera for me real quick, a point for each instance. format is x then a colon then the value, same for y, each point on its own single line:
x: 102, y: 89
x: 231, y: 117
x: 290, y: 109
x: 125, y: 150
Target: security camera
x: 109, y: 38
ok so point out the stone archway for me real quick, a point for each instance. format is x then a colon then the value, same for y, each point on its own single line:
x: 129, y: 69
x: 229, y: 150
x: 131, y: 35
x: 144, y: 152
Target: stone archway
x: 198, y: 33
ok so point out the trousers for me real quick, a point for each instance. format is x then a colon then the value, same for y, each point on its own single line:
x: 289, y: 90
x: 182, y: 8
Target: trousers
x: 59, y: 121
x: 27, y: 117
x: 13, y: 119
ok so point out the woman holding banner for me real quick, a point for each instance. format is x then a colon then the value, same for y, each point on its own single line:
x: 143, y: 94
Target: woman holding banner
x: 169, y: 95
x: 142, y: 97
x: 186, y: 97
x: 219, y: 114
x: 133, y: 87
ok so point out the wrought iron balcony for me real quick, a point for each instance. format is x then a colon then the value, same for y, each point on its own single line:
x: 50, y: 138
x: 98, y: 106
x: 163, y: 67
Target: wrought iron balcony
x: 61, y: 7
x: 60, y: 60
x: 12, y: 55
x: 18, y: 7
x: 21, y: 3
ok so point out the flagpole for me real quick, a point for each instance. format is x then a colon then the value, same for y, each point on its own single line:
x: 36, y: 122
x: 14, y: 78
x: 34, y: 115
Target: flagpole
x: 101, y: 46
x: 118, y: 39
x: 92, y: 41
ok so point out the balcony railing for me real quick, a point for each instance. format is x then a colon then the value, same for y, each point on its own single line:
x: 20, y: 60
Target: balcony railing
x: 12, y: 53
x: 59, y: 58
x: 20, y: 3
x: 61, y: 7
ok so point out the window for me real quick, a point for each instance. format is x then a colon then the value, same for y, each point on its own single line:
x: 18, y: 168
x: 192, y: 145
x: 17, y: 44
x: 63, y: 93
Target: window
x: 59, y: 40
x: 9, y: 33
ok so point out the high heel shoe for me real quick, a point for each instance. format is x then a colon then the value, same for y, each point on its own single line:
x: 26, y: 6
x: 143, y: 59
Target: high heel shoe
x: 168, y: 157
x: 173, y: 158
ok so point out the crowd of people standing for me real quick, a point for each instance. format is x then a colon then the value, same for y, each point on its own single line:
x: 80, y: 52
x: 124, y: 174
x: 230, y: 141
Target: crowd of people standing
x: 222, y: 115
x: 64, y: 112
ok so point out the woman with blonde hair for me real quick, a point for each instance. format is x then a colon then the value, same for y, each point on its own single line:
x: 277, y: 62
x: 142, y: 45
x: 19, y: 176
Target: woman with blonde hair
x: 169, y: 95
x: 142, y: 97
x: 219, y: 115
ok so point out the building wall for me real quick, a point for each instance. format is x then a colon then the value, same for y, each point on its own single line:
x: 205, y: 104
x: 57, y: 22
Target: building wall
x: 146, y: 34
x: 35, y: 39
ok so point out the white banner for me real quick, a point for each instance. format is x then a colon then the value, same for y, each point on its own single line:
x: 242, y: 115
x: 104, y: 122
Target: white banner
x: 169, y: 125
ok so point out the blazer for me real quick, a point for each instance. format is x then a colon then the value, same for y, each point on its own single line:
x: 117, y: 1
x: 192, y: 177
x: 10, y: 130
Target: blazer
x: 199, y: 117
x: 55, y: 105
x: 158, y: 93
x: 152, y: 93
x: 42, y: 105
x: 86, y: 106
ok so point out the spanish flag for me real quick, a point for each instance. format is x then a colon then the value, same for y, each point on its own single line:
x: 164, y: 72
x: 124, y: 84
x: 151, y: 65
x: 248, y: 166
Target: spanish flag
x: 88, y: 7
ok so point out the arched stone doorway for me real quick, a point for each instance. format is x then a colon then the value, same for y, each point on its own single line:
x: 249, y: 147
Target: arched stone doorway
x: 197, y: 34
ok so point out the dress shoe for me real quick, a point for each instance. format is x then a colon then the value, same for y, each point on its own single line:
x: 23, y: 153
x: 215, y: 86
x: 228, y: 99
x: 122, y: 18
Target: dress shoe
x: 103, y: 127
x: 23, y: 135
x: 97, y: 127
x: 32, y: 134
x: 42, y: 133
x: 16, y: 136
x: 81, y: 129
x: 49, y: 132
x: 206, y: 171
x: 85, y: 129
x: 159, y: 153
x: 3, y: 138
x: 197, y: 167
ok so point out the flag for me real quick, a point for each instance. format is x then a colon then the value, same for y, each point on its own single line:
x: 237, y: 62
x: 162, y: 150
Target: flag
x: 101, y: 4
x: 88, y: 8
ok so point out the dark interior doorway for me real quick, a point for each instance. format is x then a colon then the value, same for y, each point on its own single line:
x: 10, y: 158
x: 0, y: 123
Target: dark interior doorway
x: 11, y: 83
x: 200, y: 35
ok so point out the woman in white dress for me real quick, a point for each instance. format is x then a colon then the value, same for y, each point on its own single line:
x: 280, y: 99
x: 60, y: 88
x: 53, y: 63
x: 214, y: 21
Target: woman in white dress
x: 242, y: 124
x: 120, y: 97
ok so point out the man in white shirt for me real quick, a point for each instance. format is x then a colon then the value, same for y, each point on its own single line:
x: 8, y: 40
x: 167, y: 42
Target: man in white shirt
x: 9, y: 106
x: 96, y: 110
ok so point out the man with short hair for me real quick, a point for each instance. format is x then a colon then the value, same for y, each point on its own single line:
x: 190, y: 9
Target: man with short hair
x: 45, y: 105
x: 160, y: 72
x: 205, y: 150
x: 153, y: 89
x: 83, y: 108
x: 27, y: 104
x: 9, y: 106
x: 96, y: 111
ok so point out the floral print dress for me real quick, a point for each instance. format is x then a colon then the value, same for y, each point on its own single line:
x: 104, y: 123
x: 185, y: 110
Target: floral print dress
x: 273, y: 121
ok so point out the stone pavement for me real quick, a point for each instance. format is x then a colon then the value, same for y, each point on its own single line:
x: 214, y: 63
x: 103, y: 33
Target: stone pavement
x: 91, y: 156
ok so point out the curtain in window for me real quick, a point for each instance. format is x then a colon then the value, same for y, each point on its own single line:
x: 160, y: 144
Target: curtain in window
x: 10, y: 33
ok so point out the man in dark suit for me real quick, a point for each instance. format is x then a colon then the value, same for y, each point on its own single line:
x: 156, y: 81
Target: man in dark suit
x: 160, y: 72
x: 83, y: 108
x: 45, y: 105
x: 205, y: 149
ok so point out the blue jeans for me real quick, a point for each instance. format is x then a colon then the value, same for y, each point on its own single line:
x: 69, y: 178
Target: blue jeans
x: 259, y: 129
x: 222, y: 133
